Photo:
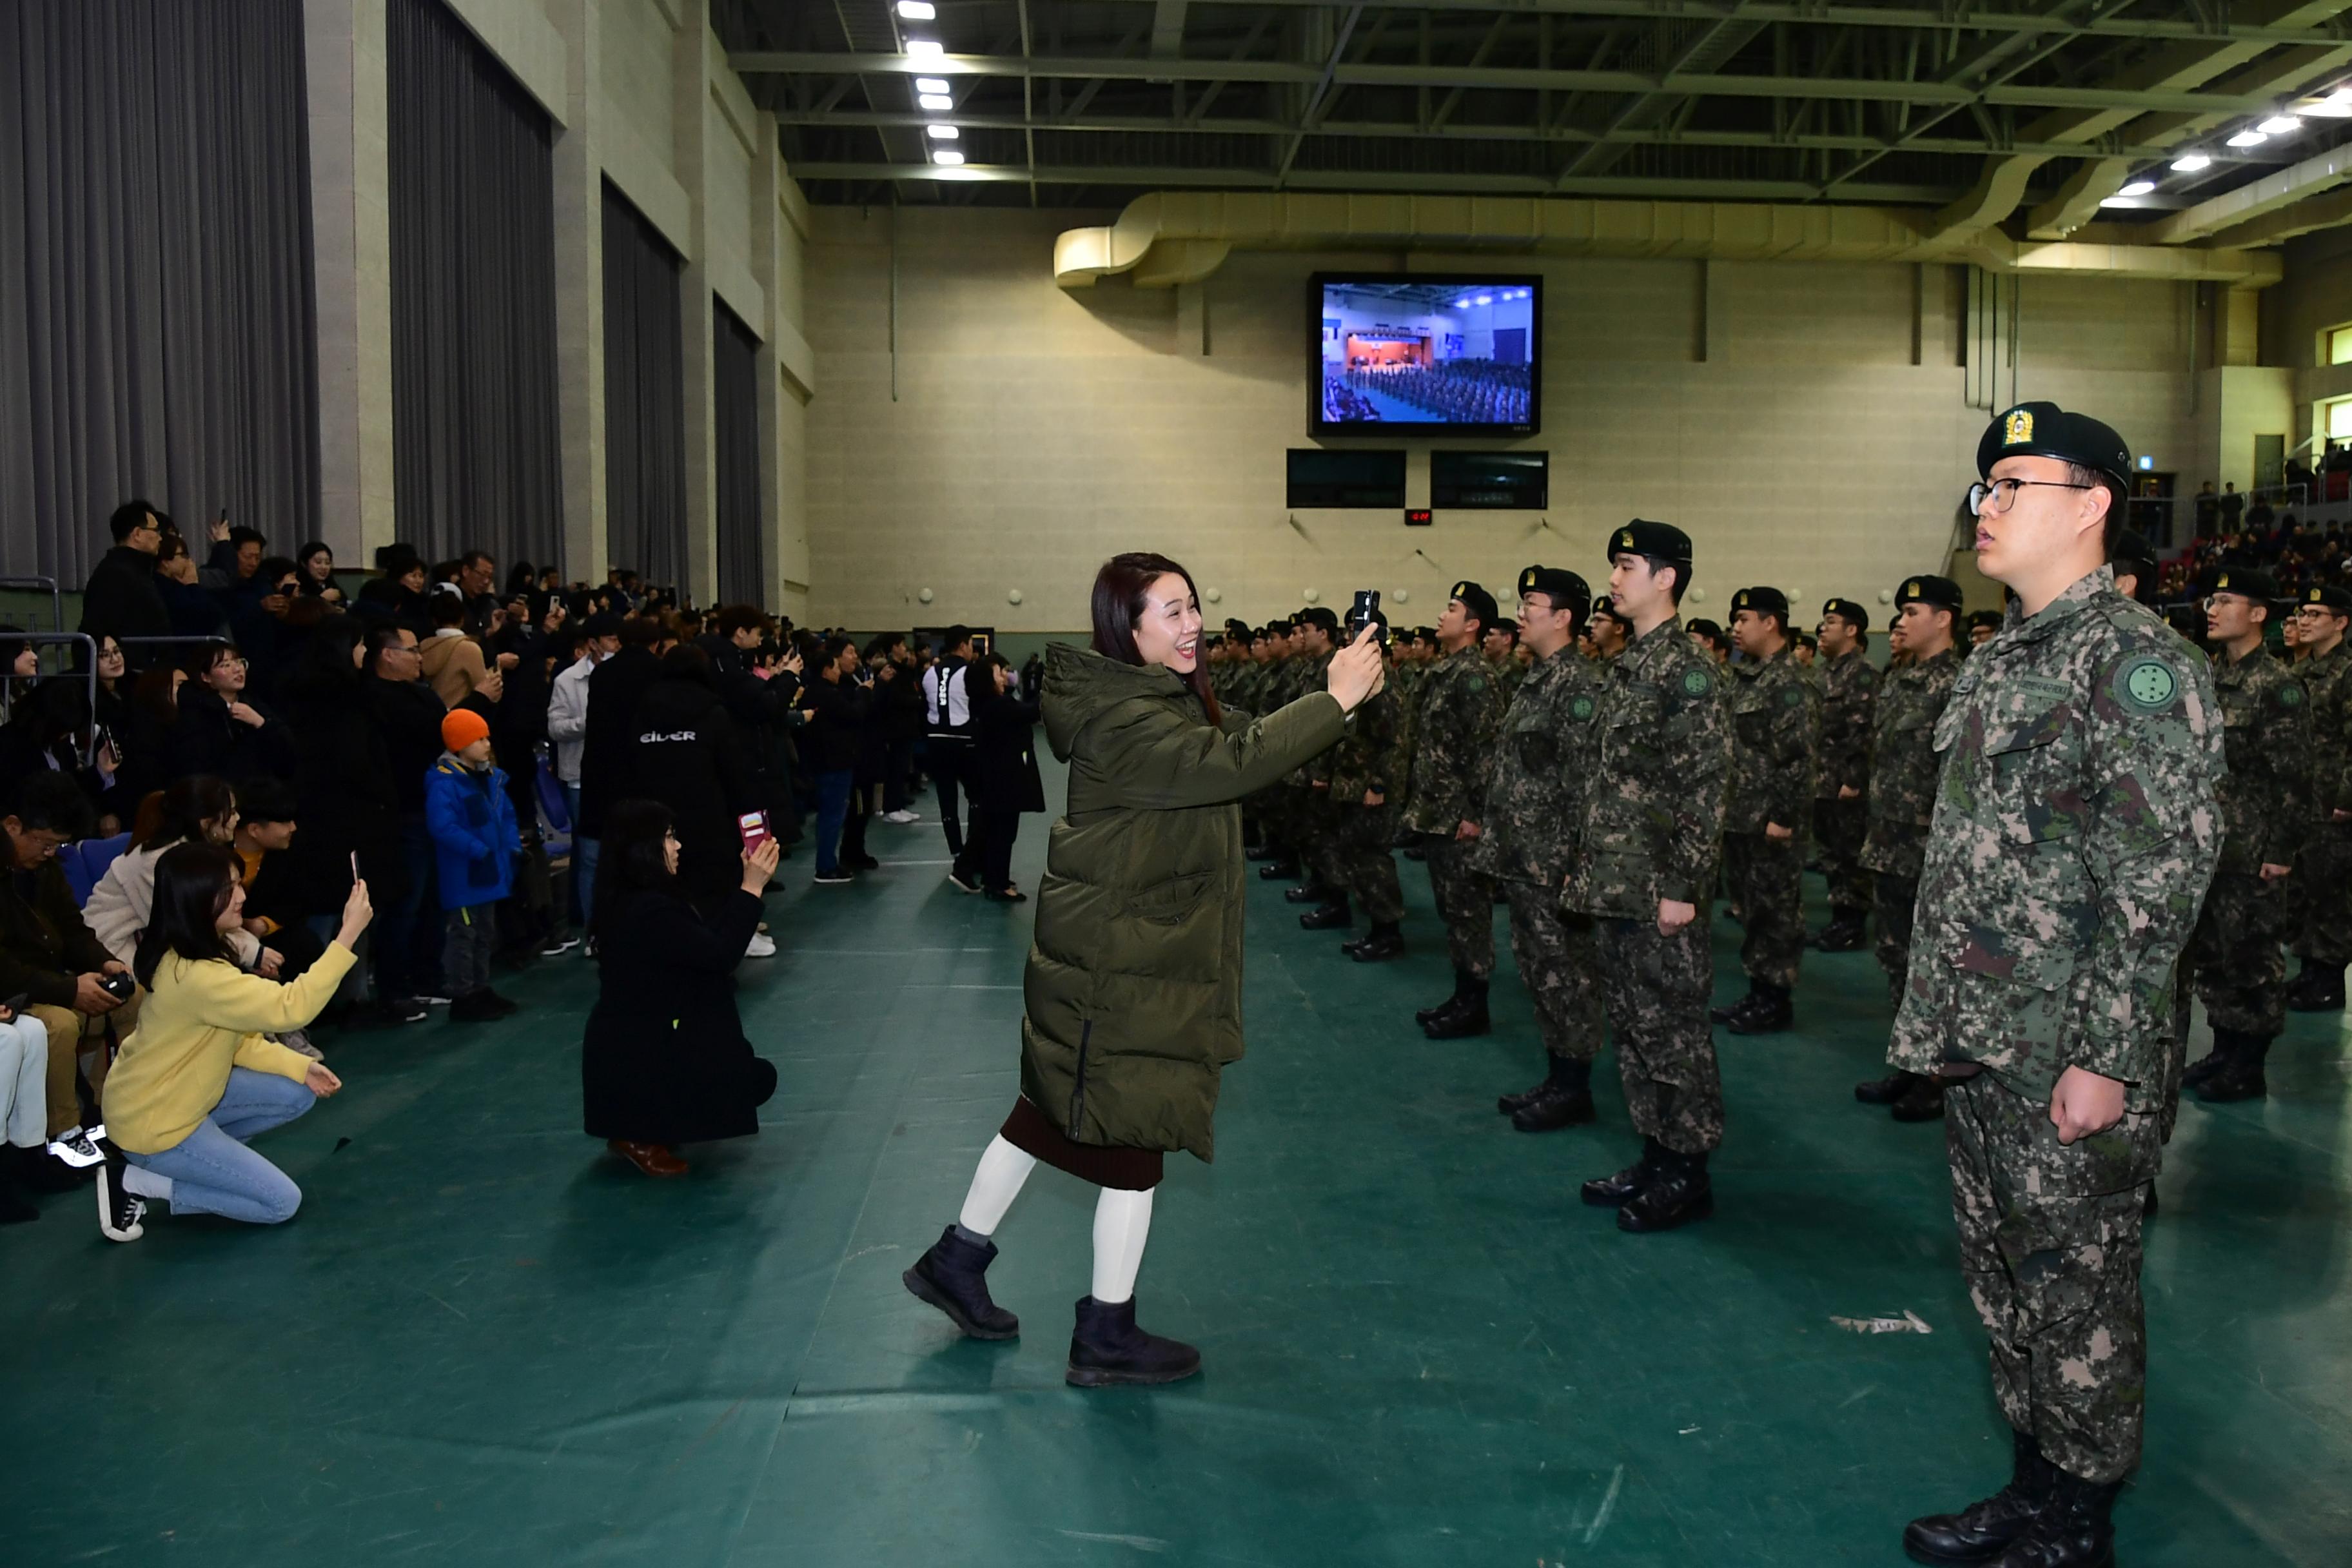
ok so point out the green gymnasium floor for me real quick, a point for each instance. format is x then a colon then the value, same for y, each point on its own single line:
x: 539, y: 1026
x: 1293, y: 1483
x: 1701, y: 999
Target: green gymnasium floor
x: 484, y: 1343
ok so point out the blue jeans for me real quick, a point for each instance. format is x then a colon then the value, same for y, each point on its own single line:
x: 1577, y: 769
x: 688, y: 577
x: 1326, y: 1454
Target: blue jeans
x: 407, y: 938
x: 583, y: 861
x: 832, y: 810
x: 212, y: 1171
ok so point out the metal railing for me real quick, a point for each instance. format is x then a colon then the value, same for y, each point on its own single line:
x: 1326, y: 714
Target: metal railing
x: 49, y: 585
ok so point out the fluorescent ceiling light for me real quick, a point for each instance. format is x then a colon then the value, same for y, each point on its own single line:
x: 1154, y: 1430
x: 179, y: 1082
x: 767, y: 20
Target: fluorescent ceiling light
x: 2118, y: 200
x: 936, y: 100
x: 2249, y: 139
x: 924, y: 48
x: 2279, y: 125
x: 2137, y: 188
x: 2191, y: 163
x: 918, y: 10
x: 930, y: 84
x: 2337, y: 105
x: 947, y: 156
x: 941, y: 133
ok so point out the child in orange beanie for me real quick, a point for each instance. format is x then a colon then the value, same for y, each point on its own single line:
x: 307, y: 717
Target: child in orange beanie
x: 474, y: 837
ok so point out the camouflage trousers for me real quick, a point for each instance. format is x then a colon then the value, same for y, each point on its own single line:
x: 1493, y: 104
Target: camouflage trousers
x: 1839, y: 828
x: 1355, y: 859
x: 1465, y: 902
x: 2321, y: 889
x: 2239, y: 967
x: 1555, y: 954
x: 1765, y: 879
x: 1897, y: 896
x: 2050, y: 1246
x: 1654, y: 989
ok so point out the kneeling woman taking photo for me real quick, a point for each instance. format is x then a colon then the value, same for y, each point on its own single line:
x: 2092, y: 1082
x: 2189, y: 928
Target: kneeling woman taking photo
x: 197, y: 1078
x: 1134, y: 985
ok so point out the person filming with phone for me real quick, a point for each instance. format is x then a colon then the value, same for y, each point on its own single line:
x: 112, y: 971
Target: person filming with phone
x: 687, y: 754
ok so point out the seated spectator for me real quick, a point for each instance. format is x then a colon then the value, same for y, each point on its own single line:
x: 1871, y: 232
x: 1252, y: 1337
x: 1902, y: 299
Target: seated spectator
x: 475, y: 838
x: 664, y: 1060
x: 50, y: 955
x: 315, y: 572
x: 219, y: 728
x: 25, y: 1168
x: 122, y: 597
x: 1003, y: 771
x: 196, y: 809
x: 198, y: 1078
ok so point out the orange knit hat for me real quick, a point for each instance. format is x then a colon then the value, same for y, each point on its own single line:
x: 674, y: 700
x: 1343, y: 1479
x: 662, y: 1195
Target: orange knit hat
x: 462, y: 727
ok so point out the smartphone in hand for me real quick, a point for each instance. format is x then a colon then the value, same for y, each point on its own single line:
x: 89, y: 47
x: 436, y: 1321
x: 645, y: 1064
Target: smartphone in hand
x: 753, y: 826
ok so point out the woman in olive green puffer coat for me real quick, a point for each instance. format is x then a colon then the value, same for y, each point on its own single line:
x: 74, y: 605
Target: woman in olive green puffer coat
x: 1133, y: 987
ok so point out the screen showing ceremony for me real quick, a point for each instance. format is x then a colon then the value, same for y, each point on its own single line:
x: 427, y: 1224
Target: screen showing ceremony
x: 1434, y: 354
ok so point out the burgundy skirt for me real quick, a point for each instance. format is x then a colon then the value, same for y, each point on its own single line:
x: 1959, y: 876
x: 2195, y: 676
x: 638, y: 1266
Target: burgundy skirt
x: 1129, y: 1169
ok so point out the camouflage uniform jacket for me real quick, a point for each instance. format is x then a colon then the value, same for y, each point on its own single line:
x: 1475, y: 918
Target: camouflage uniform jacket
x: 2076, y: 828
x: 1653, y: 813
x: 2266, y: 729
x: 1537, y: 772
x: 1903, y: 763
x: 1775, y: 723
x: 1308, y: 674
x: 2327, y: 680
x: 1456, y: 718
x: 1850, y: 685
x: 1366, y: 759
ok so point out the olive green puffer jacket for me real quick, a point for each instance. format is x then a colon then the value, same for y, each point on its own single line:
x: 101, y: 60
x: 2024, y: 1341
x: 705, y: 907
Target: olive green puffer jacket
x: 1134, y: 987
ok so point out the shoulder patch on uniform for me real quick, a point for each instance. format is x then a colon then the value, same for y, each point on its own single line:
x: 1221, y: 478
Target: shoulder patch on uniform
x: 1580, y: 707
x: 2147, y: 684
x: 1794, y: 697
x: 1697, y: 682
x: 2290, y: 694
x: 1475, y: 683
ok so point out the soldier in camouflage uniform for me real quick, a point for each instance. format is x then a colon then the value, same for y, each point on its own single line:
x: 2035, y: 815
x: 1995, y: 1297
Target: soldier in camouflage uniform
x: 1306, y: 798
x: 2075, y: 828
x: 1247, y: 680
x: 1282, y: 684
x: 1644, y: 870
x: 2237, y: 964
x: 1501, y: 646
x: 1902, y: 801
x: 1841, y: 794
x: 1459, y: 710
x: 1534, y: 803
x: 1776, y: 722
x: 2321, y: 887
x: 1360, y: 775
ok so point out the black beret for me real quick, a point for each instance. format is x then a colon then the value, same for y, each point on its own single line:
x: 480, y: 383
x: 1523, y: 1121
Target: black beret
x: 2046, y: 430
x: 1605, y: 606
x: 1424, y: 634
x: 1985, y: 618
x: 2132, y: 555
x: 1763, y: 602
x: 1705, y: 628
x: 602, y: 624
x: 1662, y: 540
x: 1320, y: 616
x: 1475, y: 600
x: 2248, y: 583
x: 1276, y: 629
x: 1565, y: 589
x: 1848, y: 610
x: 1941, y: 593
x: 1237, y: 629
x: 2330, y: 596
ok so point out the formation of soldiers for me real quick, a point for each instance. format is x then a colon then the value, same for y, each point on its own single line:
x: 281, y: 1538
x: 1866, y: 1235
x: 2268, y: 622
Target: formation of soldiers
x: 2028, y: 808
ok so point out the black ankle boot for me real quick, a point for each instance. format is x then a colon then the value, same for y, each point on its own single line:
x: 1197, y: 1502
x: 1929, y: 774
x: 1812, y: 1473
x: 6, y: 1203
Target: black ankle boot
x: 953, y: 1277
x: 1422, y: 1017
x: 1333, y: 916
x: 1770, y: 1012
x: 1615, y: 1191
x: 1108, y: 1348
x: 1563, y: 1099
x: 1885, y: 1091
x: 2240, y: 1077
x: 1466, y: 1017
x: 1385, y: 942
x: 1729, y: 1011
x: 2074, y: 1530
x: 1308, y: 893
x: 1280, y: 870
x: 1923, y: 1101
x: 1679, y: 1194
x: 2318, y: 989
x: 1983, y: 1530
x: 2225, y: 1047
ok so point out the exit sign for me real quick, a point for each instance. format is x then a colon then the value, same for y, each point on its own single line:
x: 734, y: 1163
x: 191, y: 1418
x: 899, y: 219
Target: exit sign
x: 1416, y: 517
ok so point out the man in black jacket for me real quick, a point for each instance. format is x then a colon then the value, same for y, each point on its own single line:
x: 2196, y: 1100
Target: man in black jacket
x: 122, y: 600
x: 606, y: 745
x: 407, y: 715
x: 833, y: 741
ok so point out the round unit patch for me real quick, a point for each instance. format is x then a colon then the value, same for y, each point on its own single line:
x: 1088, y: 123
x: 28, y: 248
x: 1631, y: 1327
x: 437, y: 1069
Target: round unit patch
x: 1794, y: 697
x: 2291, y: 694
x: 1696, y: 683
x: 1581, y: 709
x: 2148, y: 684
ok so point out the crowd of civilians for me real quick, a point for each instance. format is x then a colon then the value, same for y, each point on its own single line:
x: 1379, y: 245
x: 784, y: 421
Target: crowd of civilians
x: 265, y: 799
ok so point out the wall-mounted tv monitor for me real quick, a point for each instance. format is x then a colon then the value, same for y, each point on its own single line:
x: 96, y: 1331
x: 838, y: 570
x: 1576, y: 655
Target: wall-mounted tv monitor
x: 1426, y: 354
x: 1503, y: 482
x: 1321, y: 478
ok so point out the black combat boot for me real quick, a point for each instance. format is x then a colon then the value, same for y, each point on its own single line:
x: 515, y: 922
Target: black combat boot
x: 1847, y: 932
x: 2319, y: 988
x: 1383, y: 942
x: 1730, y: 1010
x: 1615, y: 1191
x: 2241, y: 1077
x: 1281, y: 868
x: 1983, y: 1530
x: 2226, y: 1047
x: 1335, y: 915
x: 1885, y: 1091
x: 1307, y: 893
x: 1923, y: 1101
x: 1467, y: 1018
x: 1107, y: 1348
x: 1771, y: 1013
x: 1423, y: 1017
x: 1563, y: 1099
x: 2075, y: 1528
x: 1679, y: 1194
x: 1263, y: 852
x: 953, y: 1277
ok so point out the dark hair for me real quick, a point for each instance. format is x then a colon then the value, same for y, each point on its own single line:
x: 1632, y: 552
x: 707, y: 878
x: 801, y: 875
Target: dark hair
x: 521, y: 578
x: 380, y: 637
x: 129, y: 519
x: 187, y: 805
x: 980, y: 681
x: 629, y: 856
x: 172, y: 548
x: 833, y: 647
x: 193, y: 884
x: 1507, y: 628
x: 640, y: 631
x: 265, y: 799
x: 1120, y: 589
x: 275, y: 567
x: 241, y: 536
x: 202, y: 659
x: 733, y: 618
x: 957, y: 636
x: 470, y: 556
x: 313, y: 548
x: 51, y: 803
x: 1682, y: 580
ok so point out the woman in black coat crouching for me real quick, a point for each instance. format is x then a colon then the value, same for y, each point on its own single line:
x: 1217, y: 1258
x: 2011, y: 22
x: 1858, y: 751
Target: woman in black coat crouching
x: 666, y: 1062
x: 1003, y: 764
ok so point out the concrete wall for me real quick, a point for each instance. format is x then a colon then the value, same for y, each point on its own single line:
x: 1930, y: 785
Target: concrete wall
x: 1808, y: 425
x: 640, y: 95
x: 2315, y: 295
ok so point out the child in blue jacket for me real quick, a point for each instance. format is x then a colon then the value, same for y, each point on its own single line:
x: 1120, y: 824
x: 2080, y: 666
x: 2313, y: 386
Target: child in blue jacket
x: 475, y: 838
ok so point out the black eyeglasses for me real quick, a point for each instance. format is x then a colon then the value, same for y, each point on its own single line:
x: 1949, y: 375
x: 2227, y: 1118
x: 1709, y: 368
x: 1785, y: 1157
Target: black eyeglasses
x: 2002, y: 494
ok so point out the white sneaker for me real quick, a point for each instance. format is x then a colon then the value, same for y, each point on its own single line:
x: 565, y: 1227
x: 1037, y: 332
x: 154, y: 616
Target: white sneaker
x: 76, y: 1148
x: 901, y: 817
x: 761, y: 946
x: 432, y: 1000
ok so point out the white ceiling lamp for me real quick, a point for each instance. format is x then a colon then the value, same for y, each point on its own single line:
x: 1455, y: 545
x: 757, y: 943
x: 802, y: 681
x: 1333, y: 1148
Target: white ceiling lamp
x: 2337, y: 105
x: 947, y: 157
x: 938, y: 102
x: 2249, y: 139
x: 942, y: 132
x: 2137, y: 188
x: 2279, y: 125
x: 924, y: 48
x: 918, y: 10
x: 930, y: 84
x: 2192, y: 163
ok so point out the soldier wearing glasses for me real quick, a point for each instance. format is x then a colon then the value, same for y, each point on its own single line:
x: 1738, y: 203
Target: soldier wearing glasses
x: 2075, y: 829
x: 2322, y: 883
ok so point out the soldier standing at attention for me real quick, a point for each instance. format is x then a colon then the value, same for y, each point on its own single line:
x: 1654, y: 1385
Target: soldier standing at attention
x: 1458, y: 712
x: 2322, y: 883
x: 1902, y: 801
x: 1360, y: 775
x: 1982, y: 625
x: 2075, y: 829
x: 1501, y: 646
x: 1840, y: 800
x: 1646, y: 864
x: 1608, y: 634
x: 2239, y: 967
x: 1776, y: 722
x: 1306, y: 793
x: 1273, y: 802
x: 1534, y: 783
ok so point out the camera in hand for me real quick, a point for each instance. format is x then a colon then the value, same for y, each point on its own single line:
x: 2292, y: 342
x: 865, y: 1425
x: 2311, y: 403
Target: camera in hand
x: 1367, y: 613
x: 118, y: 986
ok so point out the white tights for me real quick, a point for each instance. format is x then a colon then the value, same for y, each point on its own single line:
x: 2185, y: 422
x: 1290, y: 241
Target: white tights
x: 1122, y: 1218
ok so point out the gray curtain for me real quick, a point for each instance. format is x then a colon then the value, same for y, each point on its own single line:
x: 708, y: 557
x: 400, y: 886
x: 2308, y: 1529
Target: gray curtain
x: 476, y: 457
x: 157, y: 334
x: 735, y: 390
x: 645, y: 397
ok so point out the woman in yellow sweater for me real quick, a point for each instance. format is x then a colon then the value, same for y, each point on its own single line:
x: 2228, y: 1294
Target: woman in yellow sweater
x: 197, y: 1078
